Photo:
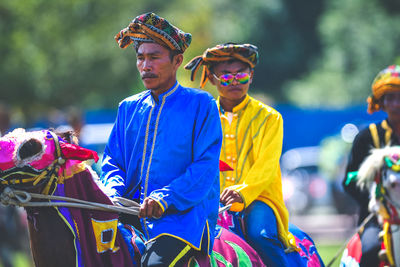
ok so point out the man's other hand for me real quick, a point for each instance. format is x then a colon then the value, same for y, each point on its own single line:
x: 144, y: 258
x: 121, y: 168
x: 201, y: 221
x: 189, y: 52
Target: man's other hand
x: 150, y: 208
x: 230, y: 196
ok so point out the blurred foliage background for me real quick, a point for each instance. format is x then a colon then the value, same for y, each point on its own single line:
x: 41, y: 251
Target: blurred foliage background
x: 56, y: 54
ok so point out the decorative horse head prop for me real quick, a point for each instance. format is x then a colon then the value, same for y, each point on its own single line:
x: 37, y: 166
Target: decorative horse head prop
x: 380, y: 173
x: 42, y: 165
x: 38, y: 157
x: 71, y: 224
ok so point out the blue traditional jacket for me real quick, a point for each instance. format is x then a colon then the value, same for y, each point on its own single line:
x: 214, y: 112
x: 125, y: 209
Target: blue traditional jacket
x: 169, y: 151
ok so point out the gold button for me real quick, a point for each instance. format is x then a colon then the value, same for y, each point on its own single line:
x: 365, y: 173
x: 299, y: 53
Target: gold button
x: 232, y: 136
x: 227, y: 135
x: 233, y: 159
x: 228, y: 157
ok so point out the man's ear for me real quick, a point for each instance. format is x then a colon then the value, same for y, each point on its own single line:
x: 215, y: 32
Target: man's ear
x: 178, y: 59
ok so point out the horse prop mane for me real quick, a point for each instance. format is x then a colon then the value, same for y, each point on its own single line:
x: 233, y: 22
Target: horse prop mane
x: 380, y: 174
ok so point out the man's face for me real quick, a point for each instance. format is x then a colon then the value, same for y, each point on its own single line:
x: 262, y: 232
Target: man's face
x: 391, y: 104
x: 157, y: 70
x: 235, y: 90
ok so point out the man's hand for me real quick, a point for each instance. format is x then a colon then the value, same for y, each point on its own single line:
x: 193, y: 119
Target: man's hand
x: 230, y: 196
x: 150, y: 208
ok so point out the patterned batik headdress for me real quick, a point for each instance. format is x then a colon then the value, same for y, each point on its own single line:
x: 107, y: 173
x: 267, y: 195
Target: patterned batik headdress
x: 246, y: 53
x: 152, y: 28
x: 387, y: 81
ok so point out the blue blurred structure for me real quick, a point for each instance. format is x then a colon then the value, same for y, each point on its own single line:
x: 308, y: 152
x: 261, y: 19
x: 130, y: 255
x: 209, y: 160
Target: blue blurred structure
x: 307, y: 127
x: 100, y: 116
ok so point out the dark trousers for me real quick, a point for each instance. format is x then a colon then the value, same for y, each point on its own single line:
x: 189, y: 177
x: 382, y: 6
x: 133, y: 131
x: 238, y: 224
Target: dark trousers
x: 167, y: 251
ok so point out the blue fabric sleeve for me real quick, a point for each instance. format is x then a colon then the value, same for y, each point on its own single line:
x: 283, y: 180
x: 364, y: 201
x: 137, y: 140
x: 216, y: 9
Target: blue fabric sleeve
x: 112, y: 171
x: 202, y: 175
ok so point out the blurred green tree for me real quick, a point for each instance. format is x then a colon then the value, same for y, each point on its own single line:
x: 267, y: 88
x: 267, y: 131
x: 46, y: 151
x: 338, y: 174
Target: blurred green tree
x: 360, y: 38
x: 59, y: 53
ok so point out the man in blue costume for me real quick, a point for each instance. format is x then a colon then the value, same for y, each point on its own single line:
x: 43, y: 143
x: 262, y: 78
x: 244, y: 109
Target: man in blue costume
x: 165, y: 144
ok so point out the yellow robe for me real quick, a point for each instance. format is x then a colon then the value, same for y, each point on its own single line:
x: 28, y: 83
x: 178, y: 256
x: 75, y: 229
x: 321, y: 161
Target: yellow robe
x: 252, y: 146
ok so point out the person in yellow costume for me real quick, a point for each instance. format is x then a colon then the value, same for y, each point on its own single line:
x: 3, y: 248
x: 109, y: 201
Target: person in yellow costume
x: 252, y: 144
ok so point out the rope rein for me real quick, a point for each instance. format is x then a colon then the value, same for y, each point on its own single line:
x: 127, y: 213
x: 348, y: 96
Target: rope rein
x: 24, y: 199
x: 21, y: 198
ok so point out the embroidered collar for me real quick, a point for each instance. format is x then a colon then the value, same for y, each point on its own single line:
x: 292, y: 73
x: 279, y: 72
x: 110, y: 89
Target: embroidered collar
x: 235, y: 109
x: 166, y: 93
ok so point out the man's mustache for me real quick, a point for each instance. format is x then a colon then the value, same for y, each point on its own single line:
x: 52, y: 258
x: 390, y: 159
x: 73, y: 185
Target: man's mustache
x: 149, y: 75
